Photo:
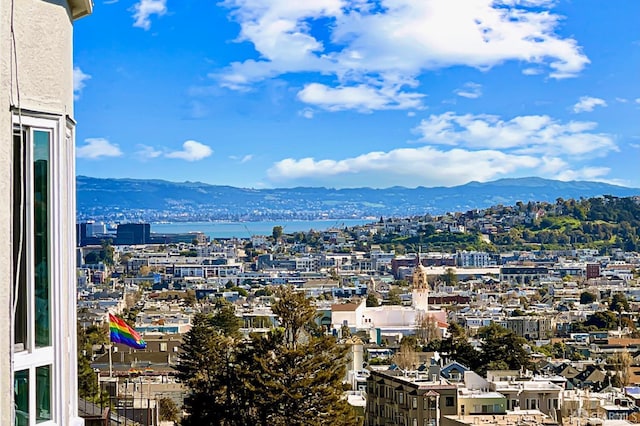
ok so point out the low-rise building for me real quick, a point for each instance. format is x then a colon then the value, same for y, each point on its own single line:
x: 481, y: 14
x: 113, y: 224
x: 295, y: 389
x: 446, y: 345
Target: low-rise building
x: 408, y: 398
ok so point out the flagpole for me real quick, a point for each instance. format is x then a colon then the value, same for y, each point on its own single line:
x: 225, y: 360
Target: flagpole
x: 110, y: 362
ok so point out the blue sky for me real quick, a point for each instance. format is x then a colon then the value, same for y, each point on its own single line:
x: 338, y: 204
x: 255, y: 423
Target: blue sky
x: 338, y: 93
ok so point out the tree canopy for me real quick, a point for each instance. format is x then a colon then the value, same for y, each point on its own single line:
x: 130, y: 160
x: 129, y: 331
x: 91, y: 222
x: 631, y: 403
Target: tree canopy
x: 586, y: 298
x: 619, y: 303
x: 500, y: 349
x: 289, y: 376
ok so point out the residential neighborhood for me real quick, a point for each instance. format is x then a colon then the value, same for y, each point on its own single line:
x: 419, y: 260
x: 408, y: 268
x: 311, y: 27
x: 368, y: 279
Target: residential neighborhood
x: 419, y: 327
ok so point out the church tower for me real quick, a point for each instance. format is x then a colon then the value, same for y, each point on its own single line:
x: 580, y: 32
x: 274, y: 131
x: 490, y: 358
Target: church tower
x: 420, y: 290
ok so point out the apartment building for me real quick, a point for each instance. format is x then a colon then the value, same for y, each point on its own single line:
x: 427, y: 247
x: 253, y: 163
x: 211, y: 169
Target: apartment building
x: 408, y: 398
x: 526, y: 393
x: 475, y: 259
x: 37, y: 211
x: 531, y: 327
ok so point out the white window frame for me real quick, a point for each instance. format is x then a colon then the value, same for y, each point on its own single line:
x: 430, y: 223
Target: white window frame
x: 31, y: 357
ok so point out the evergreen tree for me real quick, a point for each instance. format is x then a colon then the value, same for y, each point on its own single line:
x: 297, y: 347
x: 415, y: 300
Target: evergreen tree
x: 225, y: 319
x: 289, y: 376
x: 372, y: 301
x: 394, y: 296
x: 87, y: 378
x: 207, y: 368
x: 458, y: 348
x: 168, y: 410
x: 502, y: 349
x: 619, y: 303
x: 586, y: 298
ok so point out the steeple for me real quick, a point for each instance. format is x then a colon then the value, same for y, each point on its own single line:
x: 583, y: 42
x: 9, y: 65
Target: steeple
x: 419, y: 278
x: 420, y: 292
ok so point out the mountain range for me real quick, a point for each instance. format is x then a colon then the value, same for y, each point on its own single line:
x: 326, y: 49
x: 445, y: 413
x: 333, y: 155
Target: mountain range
x: 159, y: 200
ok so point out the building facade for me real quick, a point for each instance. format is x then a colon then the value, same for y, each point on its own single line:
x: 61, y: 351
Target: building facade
x: 396, y: 398
x: 38, y: 379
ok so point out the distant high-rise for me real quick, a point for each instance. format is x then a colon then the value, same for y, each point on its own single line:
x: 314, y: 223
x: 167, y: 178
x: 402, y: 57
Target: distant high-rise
x: 133, y: 233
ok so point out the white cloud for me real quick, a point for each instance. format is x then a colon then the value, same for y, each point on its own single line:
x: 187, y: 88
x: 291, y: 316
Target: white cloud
x: 242, y: 159
x: 588, y: 103
x: 385, y: 45
x: 146, y: 152
x: 586, y: 173
x: 191, y: 151
x: 470, y: 90
x: 638, y: 100
x: 143, y: 10
x: 529, y: 134
x: 532, y: 71
x: 462, y: 148
x: 95, y: 148
x: 79, y: 79
x: 405, y: 166
x: 307, y: 113
x: 361, y: 97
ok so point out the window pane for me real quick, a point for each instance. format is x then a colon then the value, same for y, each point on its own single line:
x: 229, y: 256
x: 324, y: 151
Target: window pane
x: 41, y: 237
x: 19, y: 242
x: 21, y: 388
x: 43, y: 393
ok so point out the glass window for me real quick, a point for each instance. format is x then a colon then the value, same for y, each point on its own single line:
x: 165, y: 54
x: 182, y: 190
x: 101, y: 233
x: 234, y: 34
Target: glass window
x: 448, y: 401
x: 19, y: 243
x: 33, y: 182
x: 21, y: 389
x: 43, y: 393
x: 41, y: 237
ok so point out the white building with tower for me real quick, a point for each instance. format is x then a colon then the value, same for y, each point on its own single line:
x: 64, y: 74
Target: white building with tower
x: 390, y: 320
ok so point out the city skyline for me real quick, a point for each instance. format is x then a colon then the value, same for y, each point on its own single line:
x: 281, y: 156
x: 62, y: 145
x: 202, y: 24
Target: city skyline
x: 266, y: 93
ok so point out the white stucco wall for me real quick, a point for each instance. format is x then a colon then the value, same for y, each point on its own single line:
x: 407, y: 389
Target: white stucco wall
x: 43, y: 39
x: 5, y: 217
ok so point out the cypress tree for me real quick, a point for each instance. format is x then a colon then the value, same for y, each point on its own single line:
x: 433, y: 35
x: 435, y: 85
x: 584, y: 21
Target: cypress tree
x: 289, y: 376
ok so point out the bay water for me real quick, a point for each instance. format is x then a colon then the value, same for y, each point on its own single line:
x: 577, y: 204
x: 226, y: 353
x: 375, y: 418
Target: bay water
x: 248, y: 229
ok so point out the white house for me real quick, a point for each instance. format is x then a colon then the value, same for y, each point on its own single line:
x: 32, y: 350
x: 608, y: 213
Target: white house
x: 37, y: 213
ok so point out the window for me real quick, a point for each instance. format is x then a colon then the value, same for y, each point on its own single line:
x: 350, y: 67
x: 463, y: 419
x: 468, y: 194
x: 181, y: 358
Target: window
x: 448, y: 401
x: 21, y: 389
x: 43, y: 393
x: 414, y: 402
x: 31, y: 204
x: 163, y: 346
x: 34, y: 258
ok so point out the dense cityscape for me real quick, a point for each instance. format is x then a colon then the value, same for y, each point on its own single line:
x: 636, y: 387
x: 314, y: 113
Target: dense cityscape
x: 520, y: 313
x: 319, y: 212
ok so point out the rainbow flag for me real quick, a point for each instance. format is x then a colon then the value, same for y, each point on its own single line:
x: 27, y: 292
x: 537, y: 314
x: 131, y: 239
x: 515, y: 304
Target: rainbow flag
x: 120, y: 332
